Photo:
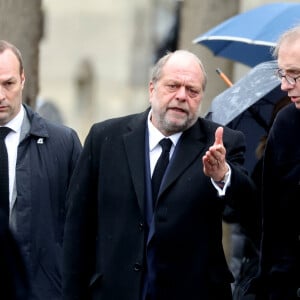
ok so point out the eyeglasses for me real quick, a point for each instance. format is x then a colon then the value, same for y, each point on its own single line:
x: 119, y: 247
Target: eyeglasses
x: 291, y: 80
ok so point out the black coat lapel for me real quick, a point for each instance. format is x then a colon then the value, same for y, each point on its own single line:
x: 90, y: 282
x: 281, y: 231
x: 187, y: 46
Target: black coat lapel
x: 134, y: 142
x: 192, y: 144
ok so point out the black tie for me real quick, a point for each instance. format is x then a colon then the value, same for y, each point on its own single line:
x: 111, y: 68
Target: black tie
x: 160, y: 167
x: 4, y: 181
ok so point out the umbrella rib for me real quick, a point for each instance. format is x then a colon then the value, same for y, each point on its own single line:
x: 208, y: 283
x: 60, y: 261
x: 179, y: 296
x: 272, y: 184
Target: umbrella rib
x: 233, y: 39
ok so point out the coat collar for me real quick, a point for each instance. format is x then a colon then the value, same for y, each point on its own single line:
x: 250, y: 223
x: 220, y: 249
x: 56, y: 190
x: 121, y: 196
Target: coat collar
x: 38, y: 125
x: 192, y: 144
x: 135, y: 148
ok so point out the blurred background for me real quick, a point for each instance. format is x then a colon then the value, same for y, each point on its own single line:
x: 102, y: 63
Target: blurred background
x: 90, y: 60
x: 86, y: 61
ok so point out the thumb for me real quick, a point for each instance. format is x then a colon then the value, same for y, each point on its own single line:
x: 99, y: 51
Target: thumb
x: 219, y: 136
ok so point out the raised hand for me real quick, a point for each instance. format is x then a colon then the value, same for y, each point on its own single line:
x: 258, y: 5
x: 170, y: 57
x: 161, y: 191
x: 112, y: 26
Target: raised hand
x: 214, y: 162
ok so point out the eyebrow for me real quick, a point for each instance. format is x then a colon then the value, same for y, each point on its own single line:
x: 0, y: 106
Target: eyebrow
x: 290, y: 69
x: 12, y: 78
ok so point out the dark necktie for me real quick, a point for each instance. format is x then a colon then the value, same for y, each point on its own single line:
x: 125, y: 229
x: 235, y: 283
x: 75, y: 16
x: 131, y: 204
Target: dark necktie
x: 4, y: 181
x: 160, y: 167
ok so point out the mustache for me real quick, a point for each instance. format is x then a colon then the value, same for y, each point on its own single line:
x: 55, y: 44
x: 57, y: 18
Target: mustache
x: 183, y: 109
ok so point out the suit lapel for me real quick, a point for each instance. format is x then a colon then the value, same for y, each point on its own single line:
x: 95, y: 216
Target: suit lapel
x: 25, y: 128
x: 134, y: 142
x: 192, y: 144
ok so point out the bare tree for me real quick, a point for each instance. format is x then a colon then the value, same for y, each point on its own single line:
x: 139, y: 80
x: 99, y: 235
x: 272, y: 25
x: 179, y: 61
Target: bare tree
x: 21, y: 23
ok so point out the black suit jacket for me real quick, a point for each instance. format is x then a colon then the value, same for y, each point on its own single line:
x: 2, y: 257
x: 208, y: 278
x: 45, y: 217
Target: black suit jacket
x: 13, y: 275
x: 279, y: 273
x: 106, y: 230
x: 46, y: 159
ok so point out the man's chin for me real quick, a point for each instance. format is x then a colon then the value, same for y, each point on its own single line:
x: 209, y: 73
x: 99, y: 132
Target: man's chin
x: 4, y: 118
x: 297, y: 104
x: 178, y: 125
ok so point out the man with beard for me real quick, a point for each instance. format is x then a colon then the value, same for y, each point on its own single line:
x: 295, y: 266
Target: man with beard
x: 126, y: 240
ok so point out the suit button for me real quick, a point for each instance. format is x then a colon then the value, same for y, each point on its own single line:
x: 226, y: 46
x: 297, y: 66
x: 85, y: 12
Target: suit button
x: 298, y: 293
x: 141, y: 226
x: 137, y: 267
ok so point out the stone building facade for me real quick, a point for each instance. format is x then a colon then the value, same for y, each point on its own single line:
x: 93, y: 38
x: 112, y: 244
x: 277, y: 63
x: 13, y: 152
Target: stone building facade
x: 95, y: 56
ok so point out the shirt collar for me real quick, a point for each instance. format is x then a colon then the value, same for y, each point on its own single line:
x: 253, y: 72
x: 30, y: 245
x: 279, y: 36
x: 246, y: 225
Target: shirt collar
x: 155, y: 135
x: 16, y: 123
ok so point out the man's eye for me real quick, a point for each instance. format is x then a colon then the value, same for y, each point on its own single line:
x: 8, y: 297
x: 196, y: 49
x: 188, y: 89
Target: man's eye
x: 294, y: 73
x: 172, y: 86
x: 193, y: 92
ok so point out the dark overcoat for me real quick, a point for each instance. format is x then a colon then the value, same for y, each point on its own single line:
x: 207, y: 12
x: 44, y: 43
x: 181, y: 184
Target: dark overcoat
x: 13, y: 275
x: 46, y: 158
x: 106, y: 240
x: 280, y: 261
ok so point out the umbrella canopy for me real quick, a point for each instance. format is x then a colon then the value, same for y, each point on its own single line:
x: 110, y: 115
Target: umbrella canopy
x: 259, y: 84
x: 248, y: 37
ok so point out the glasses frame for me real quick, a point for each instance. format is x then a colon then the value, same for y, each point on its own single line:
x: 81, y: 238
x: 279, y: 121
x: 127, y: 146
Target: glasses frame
x: 290, y: 79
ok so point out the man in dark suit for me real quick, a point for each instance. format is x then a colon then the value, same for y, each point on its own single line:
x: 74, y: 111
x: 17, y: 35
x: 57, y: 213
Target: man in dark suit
x: 41, y: 158
x: 13, y: 275
x: 122, y: 244
x: 279, y: 276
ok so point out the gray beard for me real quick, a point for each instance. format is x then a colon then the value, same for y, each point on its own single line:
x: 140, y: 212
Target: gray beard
x: 172, y: 128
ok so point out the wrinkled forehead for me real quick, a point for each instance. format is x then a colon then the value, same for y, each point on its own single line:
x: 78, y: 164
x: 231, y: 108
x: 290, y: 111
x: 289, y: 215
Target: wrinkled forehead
x: 183, y: 66
x: 289, y: 55
x: 8, y: 59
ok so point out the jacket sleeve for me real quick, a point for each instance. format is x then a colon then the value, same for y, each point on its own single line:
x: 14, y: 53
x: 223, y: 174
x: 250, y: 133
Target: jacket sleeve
x: 76, y: 149
x: 242, y: 188
x: 78, y: 237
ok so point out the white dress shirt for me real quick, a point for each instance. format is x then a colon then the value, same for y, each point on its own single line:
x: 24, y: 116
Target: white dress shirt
x: 12, y: 142
x: 154, y: 147
x: 155, y: 150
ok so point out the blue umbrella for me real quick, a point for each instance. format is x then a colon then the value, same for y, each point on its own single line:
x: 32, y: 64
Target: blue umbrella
x: 248, y: 37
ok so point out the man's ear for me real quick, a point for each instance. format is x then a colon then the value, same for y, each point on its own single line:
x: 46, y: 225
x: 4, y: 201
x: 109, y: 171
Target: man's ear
x: 22, y: 79
x: 151, y: 87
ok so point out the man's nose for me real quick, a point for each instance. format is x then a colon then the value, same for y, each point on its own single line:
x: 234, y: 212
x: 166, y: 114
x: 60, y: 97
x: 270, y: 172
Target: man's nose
x: 285, y: 85
x: 2, y: 94
x: 181, y: 92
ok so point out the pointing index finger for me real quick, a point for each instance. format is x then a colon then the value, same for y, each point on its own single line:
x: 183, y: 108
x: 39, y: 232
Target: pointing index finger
x: 219, y: 136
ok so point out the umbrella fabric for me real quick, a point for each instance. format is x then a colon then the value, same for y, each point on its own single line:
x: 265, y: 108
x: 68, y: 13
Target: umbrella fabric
x: 255, y: 123
x: 249, y: 105
x: 249, y: 37
x: 257, y: 85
